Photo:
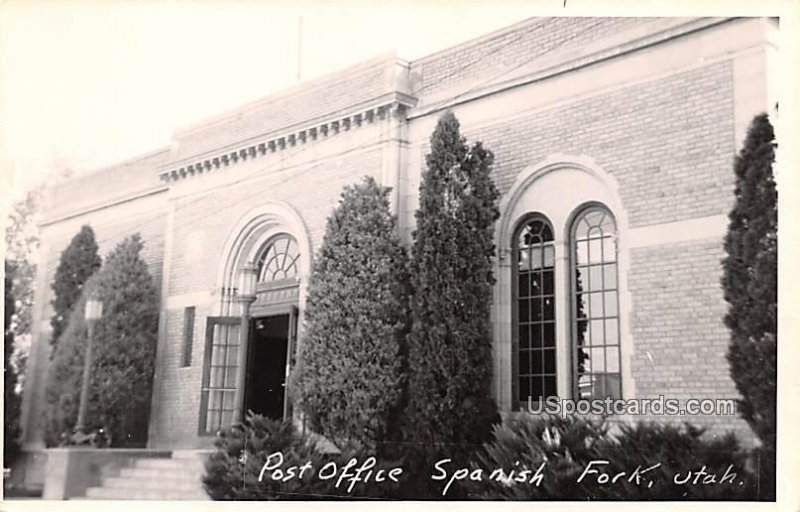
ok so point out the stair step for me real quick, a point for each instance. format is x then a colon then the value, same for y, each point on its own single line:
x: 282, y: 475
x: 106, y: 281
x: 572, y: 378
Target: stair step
x: 120, y: 493
x: 183, y: 484
x: 179, y: 464
x: 161, y: 473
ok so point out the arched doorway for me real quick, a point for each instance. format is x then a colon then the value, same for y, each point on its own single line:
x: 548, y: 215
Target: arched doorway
x: 273, y: 327
x: 251, y: 345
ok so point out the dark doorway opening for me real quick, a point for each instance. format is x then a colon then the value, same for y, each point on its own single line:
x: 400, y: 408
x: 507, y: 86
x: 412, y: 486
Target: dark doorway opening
x: 265, y: 390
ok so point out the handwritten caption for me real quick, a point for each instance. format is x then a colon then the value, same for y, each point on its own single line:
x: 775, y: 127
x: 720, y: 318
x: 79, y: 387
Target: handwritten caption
x: 365, y: 472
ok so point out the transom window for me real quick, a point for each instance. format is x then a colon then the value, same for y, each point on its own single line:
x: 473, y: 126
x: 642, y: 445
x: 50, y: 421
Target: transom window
x: 278, y: 261
x: 535, y: 306
x: 595, y: 318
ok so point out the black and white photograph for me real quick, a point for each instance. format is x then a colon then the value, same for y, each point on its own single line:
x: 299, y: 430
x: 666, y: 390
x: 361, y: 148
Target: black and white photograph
x: 417, y: 252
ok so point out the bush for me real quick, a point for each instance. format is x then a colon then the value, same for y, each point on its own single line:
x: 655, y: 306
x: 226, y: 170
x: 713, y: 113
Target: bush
x: 349, y: 376
x: 568, y: 447
x: 234, y: 468
x: 451, y: 410
x: 78, y: 262
x: 123, y: 354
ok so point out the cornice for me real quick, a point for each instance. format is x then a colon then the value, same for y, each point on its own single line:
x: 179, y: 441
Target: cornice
x: 391, y: 104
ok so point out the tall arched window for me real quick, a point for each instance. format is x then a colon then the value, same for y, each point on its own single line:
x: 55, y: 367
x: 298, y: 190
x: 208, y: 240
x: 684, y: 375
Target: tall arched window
x: 534, y: 311
x: 595, y: 305
x: 278, y: 260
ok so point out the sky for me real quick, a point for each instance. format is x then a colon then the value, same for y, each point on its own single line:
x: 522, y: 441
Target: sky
x: 88, y: 84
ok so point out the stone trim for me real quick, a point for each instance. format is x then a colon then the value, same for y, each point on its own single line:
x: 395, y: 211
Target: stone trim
x: 395, y: 104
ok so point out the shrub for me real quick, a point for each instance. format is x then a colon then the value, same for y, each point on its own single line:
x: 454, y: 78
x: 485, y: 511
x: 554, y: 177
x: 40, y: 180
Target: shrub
x: 78, y: 262
x: 349, y: 375
x: 11, y: 399
x: 451, y: 409
x: 234, y: 468
x: 123, y: 354
x: 567, y: 447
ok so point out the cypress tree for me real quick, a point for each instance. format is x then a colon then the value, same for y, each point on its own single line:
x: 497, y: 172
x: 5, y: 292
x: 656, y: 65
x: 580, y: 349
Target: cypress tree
x: 349, y: 378
x: 11, y: 400
x: 78, y: 262
x: 750, y: 273
x: 124, y: 348
x: 450, y: 344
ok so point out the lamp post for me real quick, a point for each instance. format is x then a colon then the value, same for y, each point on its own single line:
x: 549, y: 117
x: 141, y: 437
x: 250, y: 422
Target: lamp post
x: 247, y: 294
x: 92, y: 312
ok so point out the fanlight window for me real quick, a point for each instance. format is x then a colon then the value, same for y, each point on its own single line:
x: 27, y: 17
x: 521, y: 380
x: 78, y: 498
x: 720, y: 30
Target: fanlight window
x: 279, y: 259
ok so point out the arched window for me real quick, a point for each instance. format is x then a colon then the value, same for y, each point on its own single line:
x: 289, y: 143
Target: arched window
x: 278, y: 260
x: 534, y: 311
x: 595, y: 305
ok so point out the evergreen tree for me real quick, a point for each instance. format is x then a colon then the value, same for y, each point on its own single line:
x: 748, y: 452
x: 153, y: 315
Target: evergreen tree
x: 750, y: 283
x: 78, y: 262
x: 124, y: 348
x: 450, y: 344
x: 349, y: 378
x: 11, y: 399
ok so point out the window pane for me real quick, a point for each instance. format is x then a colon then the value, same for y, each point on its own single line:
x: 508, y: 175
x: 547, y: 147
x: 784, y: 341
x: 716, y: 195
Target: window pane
x: 595, y: 256
x: 524, y: 336
x: 524, y: 305
x: 524, y: 362
x: 612, y: 360
x: 230, y: 378
x: 550, y: 386
x: 523, y: 284
x: 549, y: 334
x: 609, y: 249
x: 524, y: 388
x: 524, y: 260
x: 595, y: 305
x: 547, y: 282
x: 536, y: 309
x: 598, y: 356
x: 596, y: 332
x: 536, y: 284
x: 549, y: 308
x: 583, y: 306
x: 595, y: 278
x: 550, y: 361
x: 611, y: 303
x: 612, y: 333
x: 549, y: 256
x: 233, y: 354
x: 610, y: 276
x: 583, y: 253
x: 536, y: 259
x: 536, y: 362
x: 536, y: 387
x: 536, y: 335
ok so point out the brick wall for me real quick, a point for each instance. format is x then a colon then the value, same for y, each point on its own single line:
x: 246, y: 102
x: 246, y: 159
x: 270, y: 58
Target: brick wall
x: 509, y: 48
x: 676, y: 322
x: 665, y: 138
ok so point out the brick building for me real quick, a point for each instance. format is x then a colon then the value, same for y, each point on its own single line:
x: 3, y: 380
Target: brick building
x: 613, y: 140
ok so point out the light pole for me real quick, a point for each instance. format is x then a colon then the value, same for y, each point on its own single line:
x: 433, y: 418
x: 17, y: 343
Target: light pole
x: 247, y: 294
x: 92, y: 312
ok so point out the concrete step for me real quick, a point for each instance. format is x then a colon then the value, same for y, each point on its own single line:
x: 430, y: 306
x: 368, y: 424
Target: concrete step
x: 161, y: 473
x: 189, y: 483
x: 121, y: 493
x: 174, y: 464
